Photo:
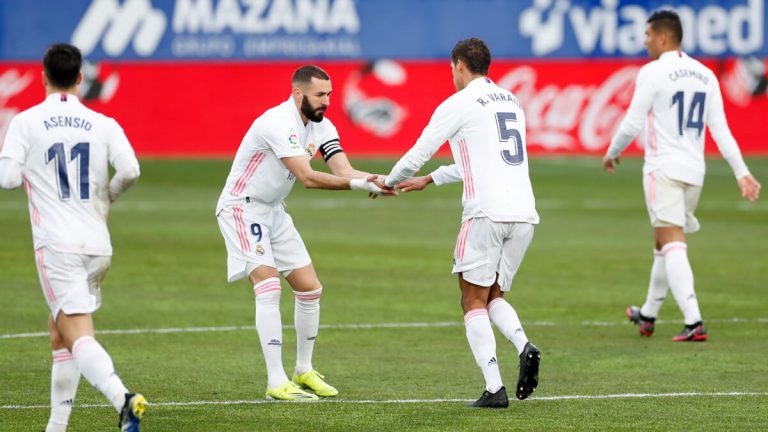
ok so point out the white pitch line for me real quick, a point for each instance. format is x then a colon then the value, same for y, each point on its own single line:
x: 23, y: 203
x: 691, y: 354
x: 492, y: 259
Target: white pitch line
x: 360, y: 326
x: 420, y: 401
x: 149, y: 206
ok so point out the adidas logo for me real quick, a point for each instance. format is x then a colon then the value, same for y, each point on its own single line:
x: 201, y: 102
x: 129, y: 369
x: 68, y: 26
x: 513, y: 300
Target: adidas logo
x: 115, y: 25
x: 69, y: 402
x: 493, y: 361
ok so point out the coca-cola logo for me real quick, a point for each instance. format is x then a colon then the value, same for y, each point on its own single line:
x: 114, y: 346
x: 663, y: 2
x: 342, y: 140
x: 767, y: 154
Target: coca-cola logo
x: 367, y: 97
x: 573, y: 116
x: 12, y: 83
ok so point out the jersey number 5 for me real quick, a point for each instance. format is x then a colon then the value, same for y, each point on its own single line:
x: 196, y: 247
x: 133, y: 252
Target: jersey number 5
x: 695, y: 111
x: 505, y: 134
x: 58, y: 154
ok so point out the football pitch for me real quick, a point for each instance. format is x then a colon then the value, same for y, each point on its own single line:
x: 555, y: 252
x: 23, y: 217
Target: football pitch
x: 392, y: 338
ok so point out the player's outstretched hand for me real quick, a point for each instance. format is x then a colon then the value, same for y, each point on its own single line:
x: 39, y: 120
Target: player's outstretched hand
x: 365, y: 184
x: 372, y: 185
x: 608, y: 164
x: 385, y: 190
x: 750, y: 188
x: 414, y: 183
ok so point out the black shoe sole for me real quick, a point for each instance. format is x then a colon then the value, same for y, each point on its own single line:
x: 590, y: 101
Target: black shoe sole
x: 529, y: 373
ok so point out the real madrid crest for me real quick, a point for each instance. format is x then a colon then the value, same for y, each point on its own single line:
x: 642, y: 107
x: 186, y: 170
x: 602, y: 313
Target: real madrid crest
x: 259, y: 250
x: 311, y: 149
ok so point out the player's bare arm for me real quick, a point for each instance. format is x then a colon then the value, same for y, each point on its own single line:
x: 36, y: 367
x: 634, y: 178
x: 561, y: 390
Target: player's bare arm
x: 415, y: 183
x: 444, y: 175
x: 340, y: 166
x: 309, y: 178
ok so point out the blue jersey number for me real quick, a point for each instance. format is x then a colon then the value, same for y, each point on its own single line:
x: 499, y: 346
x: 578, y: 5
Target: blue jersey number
x: 81, y: 152
x: 256, y: 231
x: 695, y: 111
x: 516, y: 156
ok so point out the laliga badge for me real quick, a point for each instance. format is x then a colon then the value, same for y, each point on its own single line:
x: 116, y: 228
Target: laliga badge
x: 293, y: 139
x: 259, y: 250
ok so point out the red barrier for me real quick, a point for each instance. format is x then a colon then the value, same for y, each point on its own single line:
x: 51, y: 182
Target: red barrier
x: 203, y: 109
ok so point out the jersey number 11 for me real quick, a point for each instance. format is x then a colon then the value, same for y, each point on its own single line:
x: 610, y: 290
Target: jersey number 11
x: 57, y: 153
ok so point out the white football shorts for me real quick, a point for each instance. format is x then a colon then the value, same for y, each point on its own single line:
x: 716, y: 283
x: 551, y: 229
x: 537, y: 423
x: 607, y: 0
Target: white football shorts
x: 485, y: 248
x: 71, y: 282
x: 671, y: 203
x: 257, y: 235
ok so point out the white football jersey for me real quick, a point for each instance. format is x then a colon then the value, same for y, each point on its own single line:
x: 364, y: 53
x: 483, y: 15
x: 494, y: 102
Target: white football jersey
x: 64, y: 149
x: 258, y: 175
x: 485, y: 127
x: 675, y: 99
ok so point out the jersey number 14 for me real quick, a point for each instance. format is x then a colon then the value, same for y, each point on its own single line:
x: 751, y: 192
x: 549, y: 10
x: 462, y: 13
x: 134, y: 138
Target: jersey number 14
x: 695, y: 111
x: 58, y: 155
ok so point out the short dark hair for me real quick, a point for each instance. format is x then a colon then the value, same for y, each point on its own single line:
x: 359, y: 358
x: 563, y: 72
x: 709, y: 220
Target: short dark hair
x: 669, y: 21
x: 62, y: 63
x: 304, y: 74
x: 474, y: 53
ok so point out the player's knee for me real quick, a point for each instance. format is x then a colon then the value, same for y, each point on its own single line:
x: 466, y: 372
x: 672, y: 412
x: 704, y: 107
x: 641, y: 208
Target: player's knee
x: 267, y: 290
x: 57, y: 341
x: 308, y: 301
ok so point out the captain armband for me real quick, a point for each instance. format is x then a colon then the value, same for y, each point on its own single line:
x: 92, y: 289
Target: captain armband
x: 330, y: 148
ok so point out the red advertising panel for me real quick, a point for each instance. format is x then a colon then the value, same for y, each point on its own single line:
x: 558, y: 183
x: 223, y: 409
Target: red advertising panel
x: 379, y: 108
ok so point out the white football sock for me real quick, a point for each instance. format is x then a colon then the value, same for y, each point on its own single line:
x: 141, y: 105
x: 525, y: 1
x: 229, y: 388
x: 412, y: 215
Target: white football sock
x: 270, y: 329
x: 483, y: 345
x: 306, y: 316
x: 680, y: 277
x: 64, y: 380
x: 657, y: 287
x: 505, y: 318
x: 96, y: 366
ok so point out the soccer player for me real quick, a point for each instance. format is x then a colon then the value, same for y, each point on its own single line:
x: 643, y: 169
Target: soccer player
x: 675, y: 99
x: 485, y: 126
x: 260, y: 237
x: 60, y: 150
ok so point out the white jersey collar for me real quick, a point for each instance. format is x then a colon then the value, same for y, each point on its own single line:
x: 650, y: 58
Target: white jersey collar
x: 62, y: 97
x: 672, y: 54
x: 478, y: 82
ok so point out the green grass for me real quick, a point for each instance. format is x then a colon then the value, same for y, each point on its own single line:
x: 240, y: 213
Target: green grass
x: 389, y: 261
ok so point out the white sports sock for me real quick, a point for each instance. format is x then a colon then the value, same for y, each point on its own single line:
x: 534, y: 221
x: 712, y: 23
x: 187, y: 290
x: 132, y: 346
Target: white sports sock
x: 270, y: 329
x: 306, y: 316
x: 505, y: 318
x: 64, y: 380
x: 96, y: 366
x: 483, y: 345
x: 680, y: 277
x: 657, y: 287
